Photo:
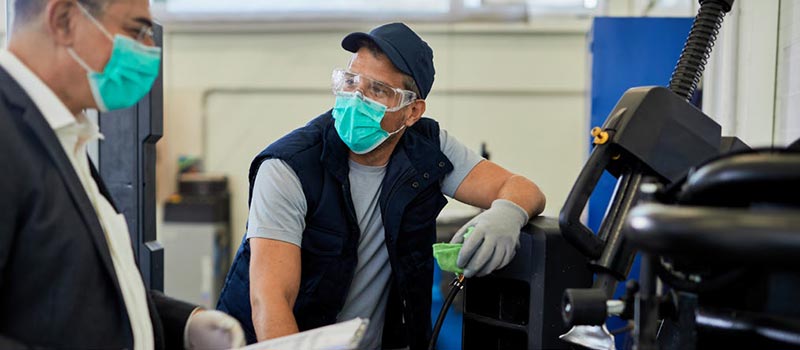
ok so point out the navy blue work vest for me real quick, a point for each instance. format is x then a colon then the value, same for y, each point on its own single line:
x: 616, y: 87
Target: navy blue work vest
x: 410, y: 200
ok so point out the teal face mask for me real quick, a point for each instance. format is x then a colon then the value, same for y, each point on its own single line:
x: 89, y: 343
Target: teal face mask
x: 128, y: 75
x: 358, y: 122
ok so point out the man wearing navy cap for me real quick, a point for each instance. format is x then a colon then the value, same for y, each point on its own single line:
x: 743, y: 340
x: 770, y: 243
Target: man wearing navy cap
x: 343, y: 210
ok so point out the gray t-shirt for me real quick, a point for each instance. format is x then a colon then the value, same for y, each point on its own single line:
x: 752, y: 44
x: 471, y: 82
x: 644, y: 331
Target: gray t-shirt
x: 278, y: 211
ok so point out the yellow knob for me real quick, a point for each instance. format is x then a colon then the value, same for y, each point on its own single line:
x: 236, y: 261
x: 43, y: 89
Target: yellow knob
x: 601, y: 138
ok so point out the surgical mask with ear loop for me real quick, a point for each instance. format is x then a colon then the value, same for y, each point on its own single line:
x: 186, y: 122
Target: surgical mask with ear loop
x: 128, y: 75
x: 358, y: 122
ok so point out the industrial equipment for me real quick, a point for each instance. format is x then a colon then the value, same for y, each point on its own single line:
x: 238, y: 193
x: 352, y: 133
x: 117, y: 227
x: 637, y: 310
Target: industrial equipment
x: 725, y: 243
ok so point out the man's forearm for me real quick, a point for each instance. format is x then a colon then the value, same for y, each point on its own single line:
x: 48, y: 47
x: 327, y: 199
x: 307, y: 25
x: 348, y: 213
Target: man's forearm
x: 273, y: 319
x: 523, y: 192
x: 274, y: 283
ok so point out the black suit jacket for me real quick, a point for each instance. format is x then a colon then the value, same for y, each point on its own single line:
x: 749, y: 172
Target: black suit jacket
x: 58, y: 287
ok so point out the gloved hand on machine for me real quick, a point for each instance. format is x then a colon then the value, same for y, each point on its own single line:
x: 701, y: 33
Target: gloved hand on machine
x: 494, y: 239
x: 486, y: 243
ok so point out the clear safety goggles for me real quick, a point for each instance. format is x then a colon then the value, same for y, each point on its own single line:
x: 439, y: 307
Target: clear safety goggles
x: 393, y: 98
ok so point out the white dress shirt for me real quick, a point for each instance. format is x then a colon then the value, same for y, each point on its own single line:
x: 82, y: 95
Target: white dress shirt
x: 74, y: 132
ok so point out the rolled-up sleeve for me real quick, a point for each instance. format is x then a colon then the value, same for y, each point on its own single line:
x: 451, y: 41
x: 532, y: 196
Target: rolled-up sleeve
x: 463, y: 159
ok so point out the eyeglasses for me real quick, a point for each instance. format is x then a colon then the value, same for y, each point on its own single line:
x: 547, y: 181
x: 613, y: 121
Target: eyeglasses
x: 393, y: 98
x: 144, y: 34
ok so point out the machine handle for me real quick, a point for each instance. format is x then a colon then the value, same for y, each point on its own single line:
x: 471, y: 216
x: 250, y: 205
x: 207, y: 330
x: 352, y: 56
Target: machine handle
x: 575, y: 232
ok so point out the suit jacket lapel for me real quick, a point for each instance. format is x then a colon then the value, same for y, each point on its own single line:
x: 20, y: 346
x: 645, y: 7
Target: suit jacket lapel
x: 101, y: 186
x: 34, y: 118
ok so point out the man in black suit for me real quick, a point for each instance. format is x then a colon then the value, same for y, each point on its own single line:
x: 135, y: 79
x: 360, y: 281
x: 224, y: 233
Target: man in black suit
x: 67, y: 274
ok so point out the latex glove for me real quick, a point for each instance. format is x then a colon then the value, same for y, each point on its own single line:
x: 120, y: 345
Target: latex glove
x: 212, y: 329
x: 494, y: 241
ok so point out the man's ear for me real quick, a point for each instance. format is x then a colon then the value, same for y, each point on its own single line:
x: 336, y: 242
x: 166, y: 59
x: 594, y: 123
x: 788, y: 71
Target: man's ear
x: 59, y: 17
x: 417, y: 110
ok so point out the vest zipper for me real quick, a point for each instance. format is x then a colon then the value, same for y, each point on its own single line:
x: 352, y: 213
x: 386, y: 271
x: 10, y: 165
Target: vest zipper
x: 354, y: 229
x: 409, y: 173
x: 351, y: 211
x: 403, y: 314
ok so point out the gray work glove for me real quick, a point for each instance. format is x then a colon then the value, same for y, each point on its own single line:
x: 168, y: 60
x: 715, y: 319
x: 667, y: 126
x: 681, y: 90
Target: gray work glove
x: 494, y: 241
x: 212, y: 329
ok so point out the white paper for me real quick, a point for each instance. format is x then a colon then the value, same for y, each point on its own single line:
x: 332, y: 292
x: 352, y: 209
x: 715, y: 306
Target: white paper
x: 341, y: 336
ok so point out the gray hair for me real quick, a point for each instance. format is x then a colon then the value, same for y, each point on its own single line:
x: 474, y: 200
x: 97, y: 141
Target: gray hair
x: 26, y: 10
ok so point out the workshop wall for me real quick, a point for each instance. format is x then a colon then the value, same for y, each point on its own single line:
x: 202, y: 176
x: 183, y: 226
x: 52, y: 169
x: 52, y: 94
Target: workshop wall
x: 752, y: 84
x: 787, y: 100
x: 521, y: 88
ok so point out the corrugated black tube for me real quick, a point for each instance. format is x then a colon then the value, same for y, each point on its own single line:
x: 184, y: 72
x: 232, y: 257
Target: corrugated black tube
x: 698, y: 47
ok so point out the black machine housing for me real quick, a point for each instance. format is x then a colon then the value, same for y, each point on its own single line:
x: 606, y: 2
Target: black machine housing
x: 653, y: 135
x: 518, y: 306
x: 651, y: 132
x: 745, y: 208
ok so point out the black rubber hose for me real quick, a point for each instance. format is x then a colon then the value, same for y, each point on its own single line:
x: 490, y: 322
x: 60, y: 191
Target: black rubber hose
x: 457, y: 285
x: 698, y: 47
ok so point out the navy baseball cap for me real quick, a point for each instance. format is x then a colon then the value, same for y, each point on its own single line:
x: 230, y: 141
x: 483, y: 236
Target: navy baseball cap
x: 407, y: 51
